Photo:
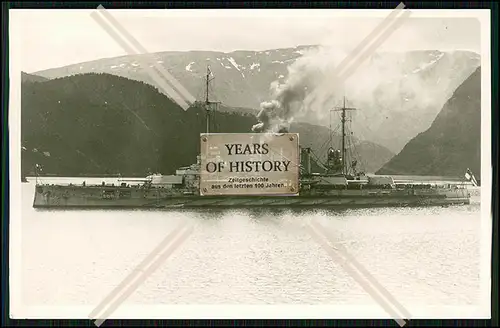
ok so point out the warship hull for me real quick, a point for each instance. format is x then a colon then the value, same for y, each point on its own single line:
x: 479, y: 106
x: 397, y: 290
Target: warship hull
x: 130, y: 197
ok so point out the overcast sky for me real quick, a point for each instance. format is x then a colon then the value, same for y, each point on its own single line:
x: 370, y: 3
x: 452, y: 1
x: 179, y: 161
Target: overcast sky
x: 54, y: 38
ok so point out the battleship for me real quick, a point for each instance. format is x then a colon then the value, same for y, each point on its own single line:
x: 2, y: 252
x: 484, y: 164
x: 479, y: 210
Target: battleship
x: 338, y: 183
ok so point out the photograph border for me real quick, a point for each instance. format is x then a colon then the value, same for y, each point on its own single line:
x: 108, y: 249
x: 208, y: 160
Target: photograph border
x: 17, y: 310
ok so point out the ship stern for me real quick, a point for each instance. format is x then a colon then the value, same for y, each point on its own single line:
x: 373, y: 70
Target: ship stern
x: 41, y: 197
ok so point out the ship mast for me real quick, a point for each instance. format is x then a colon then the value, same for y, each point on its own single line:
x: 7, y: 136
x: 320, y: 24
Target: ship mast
x: 209, y: 78
x: 343, y: 120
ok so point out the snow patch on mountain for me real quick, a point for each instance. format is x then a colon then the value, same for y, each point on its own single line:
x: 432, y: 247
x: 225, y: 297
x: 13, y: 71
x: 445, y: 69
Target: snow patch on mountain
x: 429, y: 64
x: 233, y: 62
x: 188, y: 66
x: 254, y: 65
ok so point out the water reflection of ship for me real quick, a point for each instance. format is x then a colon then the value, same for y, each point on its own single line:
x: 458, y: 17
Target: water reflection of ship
x: 338, y: 182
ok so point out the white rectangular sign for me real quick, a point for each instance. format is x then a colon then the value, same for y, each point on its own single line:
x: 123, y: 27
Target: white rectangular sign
x: 249, y: 164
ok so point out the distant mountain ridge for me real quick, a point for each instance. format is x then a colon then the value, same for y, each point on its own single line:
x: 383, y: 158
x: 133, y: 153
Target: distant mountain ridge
x: 411, y: 89
x: 92, y: 124
x: 25, y: 77
x: 452, y: 143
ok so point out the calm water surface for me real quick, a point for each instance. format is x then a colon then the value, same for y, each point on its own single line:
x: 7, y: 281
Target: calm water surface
x: 427, y: 256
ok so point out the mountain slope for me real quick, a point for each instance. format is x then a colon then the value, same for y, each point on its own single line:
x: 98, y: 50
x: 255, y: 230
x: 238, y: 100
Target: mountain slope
x: 452, y: 143
x: 25, y: 77
x: 104, y: 124
x: 398, y: 94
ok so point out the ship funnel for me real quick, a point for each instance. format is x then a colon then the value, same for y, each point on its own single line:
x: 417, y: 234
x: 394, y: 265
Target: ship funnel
x: 305, y: 160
